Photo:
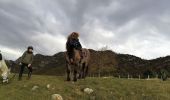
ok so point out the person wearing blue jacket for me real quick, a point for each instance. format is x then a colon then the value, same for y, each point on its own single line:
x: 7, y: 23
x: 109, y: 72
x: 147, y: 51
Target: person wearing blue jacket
x: 73, y: 43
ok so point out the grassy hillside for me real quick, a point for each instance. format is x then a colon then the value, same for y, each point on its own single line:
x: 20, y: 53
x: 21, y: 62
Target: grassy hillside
x: 104, y: 89
x: 103, y: 62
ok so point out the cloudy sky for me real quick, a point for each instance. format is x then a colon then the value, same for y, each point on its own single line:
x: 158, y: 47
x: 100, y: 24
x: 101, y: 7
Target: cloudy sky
x: 137, y: 27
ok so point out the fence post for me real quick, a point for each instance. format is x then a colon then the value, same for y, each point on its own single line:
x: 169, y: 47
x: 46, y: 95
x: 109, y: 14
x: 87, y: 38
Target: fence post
x: 157, y: 76
x: 148, y: 77
x: 128, y: 76
x: 139, y: 77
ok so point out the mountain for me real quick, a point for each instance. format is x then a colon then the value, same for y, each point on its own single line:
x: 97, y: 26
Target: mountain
x: 103, y: 62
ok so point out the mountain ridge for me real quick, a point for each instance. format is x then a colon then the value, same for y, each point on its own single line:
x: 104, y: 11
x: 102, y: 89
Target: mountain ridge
x: 104, y: 63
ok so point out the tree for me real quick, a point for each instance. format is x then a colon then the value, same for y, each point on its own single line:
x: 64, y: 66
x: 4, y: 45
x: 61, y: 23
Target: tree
x: 164, y: 74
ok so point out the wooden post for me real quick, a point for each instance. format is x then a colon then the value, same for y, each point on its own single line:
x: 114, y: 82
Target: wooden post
x: 139, y: 77
x: 119, y: 76
x: 157, y: 76
x: 128, y: 76
x: 148, y: 77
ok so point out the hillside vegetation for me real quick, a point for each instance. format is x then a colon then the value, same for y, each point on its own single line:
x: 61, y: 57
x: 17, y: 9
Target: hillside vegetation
x: 103, y: 62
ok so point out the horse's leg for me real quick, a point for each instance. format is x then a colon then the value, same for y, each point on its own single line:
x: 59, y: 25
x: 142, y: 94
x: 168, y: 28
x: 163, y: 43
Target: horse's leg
x: 75, y: 76
x: 68, y: 72
x: 86, y: 70
x: 83, y: 70
x: 80, y: 71
x: 75, y: 73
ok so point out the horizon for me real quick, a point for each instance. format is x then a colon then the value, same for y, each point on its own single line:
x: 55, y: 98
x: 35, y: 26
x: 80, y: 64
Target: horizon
x: 94, y: 50
x: 139, y: 28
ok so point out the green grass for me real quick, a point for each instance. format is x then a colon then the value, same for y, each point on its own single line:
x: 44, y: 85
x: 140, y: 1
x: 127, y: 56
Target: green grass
x: 104, y: 89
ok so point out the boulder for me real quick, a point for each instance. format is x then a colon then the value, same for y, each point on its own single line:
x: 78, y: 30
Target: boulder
x: 35, y: 88
x: 88, y: 90
x: 56, y: 97
x: 48, y: 86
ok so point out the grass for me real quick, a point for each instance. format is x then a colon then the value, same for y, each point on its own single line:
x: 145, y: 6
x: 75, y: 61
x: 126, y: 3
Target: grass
x: 104, y: 89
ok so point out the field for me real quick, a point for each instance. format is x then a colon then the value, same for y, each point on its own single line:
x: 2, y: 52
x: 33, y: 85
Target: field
x: 104, y: 89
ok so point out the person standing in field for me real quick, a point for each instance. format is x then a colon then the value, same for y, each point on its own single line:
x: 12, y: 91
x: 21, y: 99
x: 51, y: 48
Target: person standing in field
x: 26, y: 61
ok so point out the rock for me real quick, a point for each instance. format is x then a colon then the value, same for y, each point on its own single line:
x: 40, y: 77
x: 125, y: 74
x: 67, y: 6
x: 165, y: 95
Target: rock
x: 34, y: 88
x: 56, y: 97
x: 48, y: 86
x: 88, y: 90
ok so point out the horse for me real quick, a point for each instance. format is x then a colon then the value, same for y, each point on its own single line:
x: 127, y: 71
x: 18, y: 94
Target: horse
x: 4, y: 71
x: 79, y: 67
x: 84, y: 64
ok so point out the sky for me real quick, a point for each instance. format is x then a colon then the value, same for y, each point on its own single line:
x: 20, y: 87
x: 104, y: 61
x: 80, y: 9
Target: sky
x: 136, y: 27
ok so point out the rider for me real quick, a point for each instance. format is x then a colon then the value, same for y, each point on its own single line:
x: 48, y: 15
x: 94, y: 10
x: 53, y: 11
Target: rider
x: 26, y: 61
x: 73, y: 43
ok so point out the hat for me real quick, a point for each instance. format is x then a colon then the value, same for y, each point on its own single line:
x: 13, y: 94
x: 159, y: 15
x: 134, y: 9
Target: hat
x: 30, y: 47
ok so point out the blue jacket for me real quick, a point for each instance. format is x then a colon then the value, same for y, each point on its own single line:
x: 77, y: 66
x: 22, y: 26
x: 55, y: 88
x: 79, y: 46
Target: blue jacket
x: 74, y: 44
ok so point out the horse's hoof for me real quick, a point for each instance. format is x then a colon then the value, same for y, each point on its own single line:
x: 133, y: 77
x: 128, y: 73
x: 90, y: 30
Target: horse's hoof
x: 75, y: 80
x: 79, y: 77
x: 68, y: 80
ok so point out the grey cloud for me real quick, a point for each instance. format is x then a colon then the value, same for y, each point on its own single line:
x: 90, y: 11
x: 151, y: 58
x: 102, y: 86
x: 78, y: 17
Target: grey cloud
x: 47, y: 23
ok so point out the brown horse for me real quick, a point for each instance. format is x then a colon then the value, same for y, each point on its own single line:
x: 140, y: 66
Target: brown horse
x: 79, y: 67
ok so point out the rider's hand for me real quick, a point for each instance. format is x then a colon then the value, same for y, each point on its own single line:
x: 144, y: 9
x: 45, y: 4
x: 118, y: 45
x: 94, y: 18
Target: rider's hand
x: 29, y: 65
x: 20, y: 63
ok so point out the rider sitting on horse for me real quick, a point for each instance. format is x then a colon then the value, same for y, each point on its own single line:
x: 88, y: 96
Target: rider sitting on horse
x: 73, y: 43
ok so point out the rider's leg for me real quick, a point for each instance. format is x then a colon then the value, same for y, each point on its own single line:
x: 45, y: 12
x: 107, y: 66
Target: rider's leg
x: 71, y: 54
